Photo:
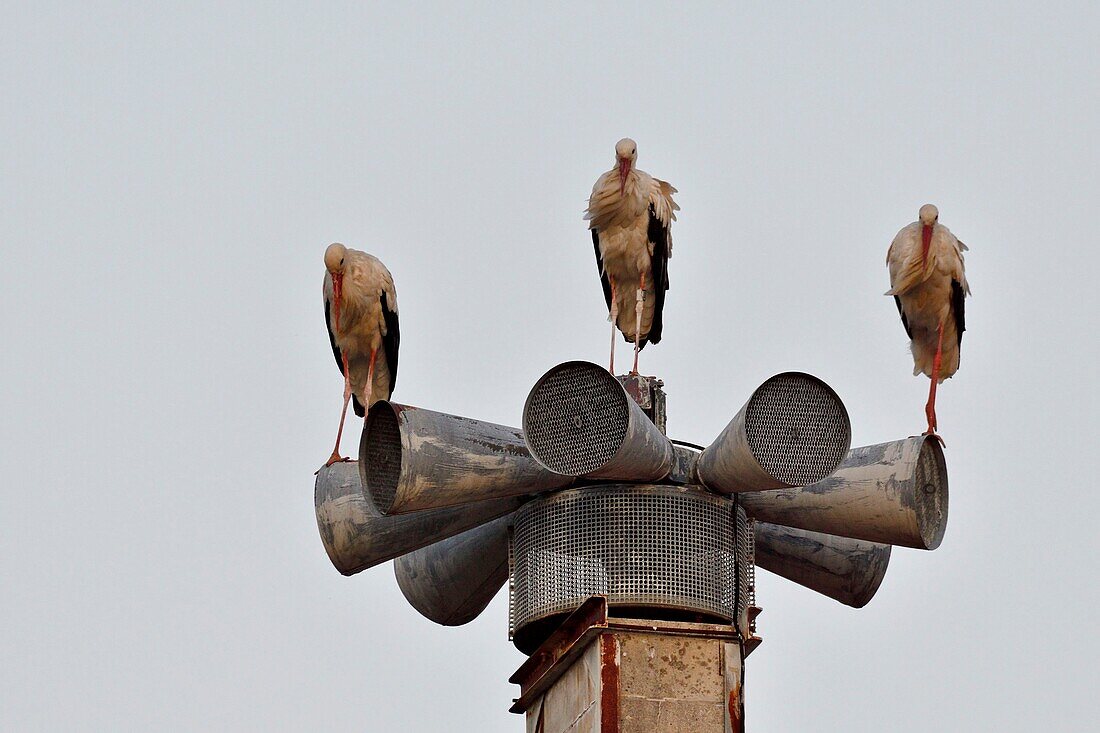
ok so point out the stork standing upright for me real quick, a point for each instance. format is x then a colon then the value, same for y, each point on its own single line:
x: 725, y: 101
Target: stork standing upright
x: 630, y: 214
x: 361, y: 316
x: 928, y: 282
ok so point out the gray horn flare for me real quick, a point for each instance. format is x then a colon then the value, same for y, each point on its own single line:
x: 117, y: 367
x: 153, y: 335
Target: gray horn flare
x: 579, y: 421
x: 356, y: 538
x: 412, y: 459
x: 846, y: 570
x: 451, y: 582
x: 894, y: 493
x: 793, y: 431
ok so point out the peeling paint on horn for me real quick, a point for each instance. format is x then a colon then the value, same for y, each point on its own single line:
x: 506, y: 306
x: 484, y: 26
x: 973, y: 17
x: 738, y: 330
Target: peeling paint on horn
x: 846, y: 570
x: 356, y: 538
x: 894, y: 493
x: 412, y: 459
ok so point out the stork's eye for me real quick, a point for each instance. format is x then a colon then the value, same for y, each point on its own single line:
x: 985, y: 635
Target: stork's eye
x: 341, y: 262
x: 632, y: 151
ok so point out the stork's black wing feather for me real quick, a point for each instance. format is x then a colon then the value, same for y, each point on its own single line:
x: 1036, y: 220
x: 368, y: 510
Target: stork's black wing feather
x: 332, y: 339
x: 391, y: 341
x: 599, y: 266
x: 958, y: 306
x: 658, y: 237
x: 904, y: 320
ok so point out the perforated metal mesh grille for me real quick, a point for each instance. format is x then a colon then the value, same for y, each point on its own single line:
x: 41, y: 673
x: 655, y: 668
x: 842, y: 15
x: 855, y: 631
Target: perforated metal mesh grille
x: 647, y: 546
x: 575, y: 418
x: 744, y: 553
x: 383, y: 457
x: 797, y: 429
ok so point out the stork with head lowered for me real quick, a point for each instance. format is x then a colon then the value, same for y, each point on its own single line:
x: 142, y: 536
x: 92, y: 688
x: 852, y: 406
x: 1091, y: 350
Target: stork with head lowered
x: 361, y: 316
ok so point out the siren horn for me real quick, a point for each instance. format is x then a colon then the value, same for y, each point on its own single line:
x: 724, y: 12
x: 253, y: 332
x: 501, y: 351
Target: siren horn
x: 579, y: 421
x: 412, y: 459
x: 793, y: 431
x: 452, y: 581
x: 356, y: 538
x: 847, y: 570
x: 894, y: 493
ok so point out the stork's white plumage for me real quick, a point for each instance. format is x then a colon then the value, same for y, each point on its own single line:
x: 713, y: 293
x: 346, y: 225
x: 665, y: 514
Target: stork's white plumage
x: 928, y: 282
x: 361, y: 316
x: 630, y: 214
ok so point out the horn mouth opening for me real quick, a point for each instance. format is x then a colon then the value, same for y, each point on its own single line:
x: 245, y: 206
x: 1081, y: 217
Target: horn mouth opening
x: 576, y: 418
x: 381, y: 456
x: 797, y: 428
x: 930, y: 493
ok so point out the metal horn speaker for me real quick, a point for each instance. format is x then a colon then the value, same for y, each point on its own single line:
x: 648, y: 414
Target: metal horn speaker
x: 579, y: 421
x: 412, y: 459
x: 793, y: 431
x: 894, y: 493
x: 452, y: 581
x: 356, y: 538
x: 846, y: 570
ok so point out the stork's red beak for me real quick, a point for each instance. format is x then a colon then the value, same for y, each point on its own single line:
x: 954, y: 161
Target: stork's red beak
x: 337, y: 296
x: 925, y: 241
x: 624, y: 170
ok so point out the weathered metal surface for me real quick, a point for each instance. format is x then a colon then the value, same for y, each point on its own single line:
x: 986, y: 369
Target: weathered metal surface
x: 601, y: 674
x: 847, y: 570
x: 733, y: 676
x: 356, y: 538
x: 579, y: 421
x: 661, y: 550
x: 647, y: 392
x: 893, y: 493
x: 452, y: 581
x: 683, y: 465
x: 610, y: 674
x: 546, y: 663
x: 413, y: 459
x: 793, y: 431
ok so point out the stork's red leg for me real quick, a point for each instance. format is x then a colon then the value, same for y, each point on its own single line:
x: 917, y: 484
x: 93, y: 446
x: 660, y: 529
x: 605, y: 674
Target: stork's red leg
x: 930, y: 408
x: 335, y: 457
x: 613, y: 316
x: 370, y: 379
x: 638, y: 304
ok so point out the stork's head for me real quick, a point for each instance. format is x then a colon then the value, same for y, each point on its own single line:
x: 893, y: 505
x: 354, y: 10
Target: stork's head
x: 334, y: 258
x: 626, y: 152
x: 334, y: 263
x: 929, y: 214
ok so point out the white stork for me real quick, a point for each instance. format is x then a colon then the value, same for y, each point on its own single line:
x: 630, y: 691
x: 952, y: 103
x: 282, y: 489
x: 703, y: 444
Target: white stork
x: 630, y: 214
x: 361, y: 316
x: 928, y: 282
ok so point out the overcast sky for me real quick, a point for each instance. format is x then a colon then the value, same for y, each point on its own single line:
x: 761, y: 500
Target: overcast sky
x: 170, y: 177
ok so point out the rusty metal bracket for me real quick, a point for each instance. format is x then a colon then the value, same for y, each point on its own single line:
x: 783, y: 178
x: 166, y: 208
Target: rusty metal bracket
x: 553, y: 656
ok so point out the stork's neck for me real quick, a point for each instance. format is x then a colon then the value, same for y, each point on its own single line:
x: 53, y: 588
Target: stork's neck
x: 925, y: 242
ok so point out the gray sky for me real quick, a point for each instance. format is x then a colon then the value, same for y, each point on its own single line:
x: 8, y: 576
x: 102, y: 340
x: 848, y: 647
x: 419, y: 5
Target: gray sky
x: 170, y: 179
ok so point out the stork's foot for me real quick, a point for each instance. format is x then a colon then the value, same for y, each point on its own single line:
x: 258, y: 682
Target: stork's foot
x: 931, y: 433
x: 334, y: 458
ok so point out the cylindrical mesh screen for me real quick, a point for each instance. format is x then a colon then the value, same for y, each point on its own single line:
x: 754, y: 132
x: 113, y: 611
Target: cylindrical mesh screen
x: 576, y: 418
x: 797, y: 429
x: 383, y: 456
x: 660, y: 548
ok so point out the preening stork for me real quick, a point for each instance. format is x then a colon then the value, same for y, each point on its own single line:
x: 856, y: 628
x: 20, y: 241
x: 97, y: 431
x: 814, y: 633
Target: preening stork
x: 630, y: 214
x: 928, y: 282
x: 361, y: 316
